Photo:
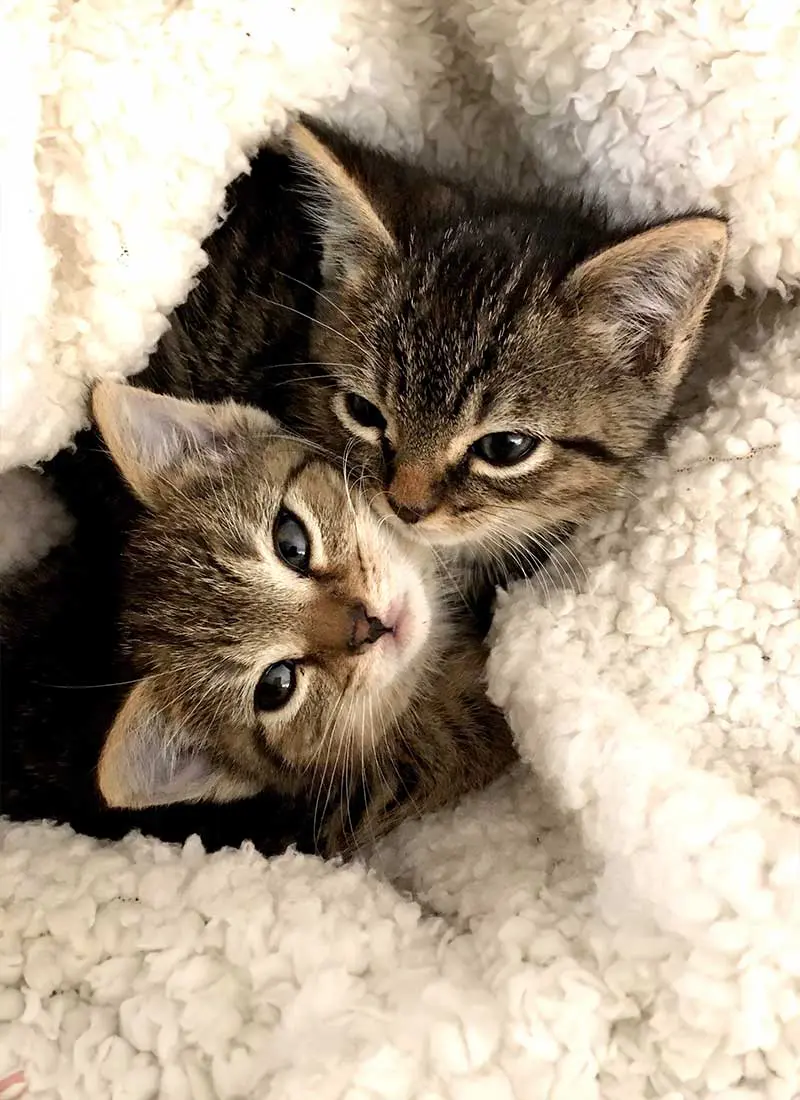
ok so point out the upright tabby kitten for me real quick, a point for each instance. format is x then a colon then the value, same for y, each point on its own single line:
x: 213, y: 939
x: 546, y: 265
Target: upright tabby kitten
x: 499, y: 365
x: 283, y: 665
x: 495, y: 366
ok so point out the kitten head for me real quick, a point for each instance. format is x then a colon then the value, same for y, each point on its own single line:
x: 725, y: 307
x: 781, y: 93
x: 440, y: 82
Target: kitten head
x: 498, y: 366
x: 277, y: 628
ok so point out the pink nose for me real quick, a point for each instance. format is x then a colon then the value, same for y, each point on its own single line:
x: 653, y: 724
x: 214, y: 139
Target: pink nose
x: 366, y: 628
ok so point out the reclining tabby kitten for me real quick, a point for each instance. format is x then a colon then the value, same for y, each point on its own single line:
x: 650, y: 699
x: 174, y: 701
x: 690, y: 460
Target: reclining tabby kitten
x: 496, y: 366
x: 285, y: 668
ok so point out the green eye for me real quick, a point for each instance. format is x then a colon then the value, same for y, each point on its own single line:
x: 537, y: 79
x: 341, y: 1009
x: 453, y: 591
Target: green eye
x: 505, y: 448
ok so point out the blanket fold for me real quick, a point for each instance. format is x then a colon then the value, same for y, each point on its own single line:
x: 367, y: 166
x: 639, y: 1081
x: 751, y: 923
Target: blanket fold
x: 620, y: 918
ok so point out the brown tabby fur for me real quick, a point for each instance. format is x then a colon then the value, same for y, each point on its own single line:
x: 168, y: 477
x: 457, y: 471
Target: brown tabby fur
x: 458, y: 312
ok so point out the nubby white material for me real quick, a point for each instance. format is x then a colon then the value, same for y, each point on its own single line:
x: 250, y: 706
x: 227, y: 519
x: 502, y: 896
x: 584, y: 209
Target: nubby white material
x: 619, y: 919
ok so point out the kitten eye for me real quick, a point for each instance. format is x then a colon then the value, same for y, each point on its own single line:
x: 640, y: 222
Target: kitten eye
x: 364, y: 412
x: 276, y: 686
x: 292, y: 543
x: 504, y: 448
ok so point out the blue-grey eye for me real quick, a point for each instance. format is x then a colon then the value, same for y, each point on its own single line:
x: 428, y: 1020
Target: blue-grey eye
x: 276, y: 686
x: 505, y: 448
x: 292, y: 543
x: 364, y: 412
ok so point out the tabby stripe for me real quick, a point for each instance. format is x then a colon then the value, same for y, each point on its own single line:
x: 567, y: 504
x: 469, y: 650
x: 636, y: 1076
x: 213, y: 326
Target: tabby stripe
x: 516, y: 296
x: 592, y: 448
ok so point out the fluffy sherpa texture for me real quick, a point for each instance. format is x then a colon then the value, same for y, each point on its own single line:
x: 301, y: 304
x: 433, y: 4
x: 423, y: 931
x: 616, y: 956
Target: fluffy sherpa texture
x: 620, y: 921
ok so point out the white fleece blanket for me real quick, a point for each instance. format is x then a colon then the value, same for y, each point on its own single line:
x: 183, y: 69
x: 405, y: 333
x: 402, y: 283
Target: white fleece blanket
x: 625, y: 926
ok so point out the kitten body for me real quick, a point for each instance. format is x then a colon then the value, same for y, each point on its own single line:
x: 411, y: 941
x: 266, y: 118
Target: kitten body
x: 144, y: 645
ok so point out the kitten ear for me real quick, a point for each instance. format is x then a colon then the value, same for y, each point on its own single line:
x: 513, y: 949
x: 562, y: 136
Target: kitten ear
x: 353, y: 230
x: 646, y: 297
x: 149, y: 761
x: 151, y: 436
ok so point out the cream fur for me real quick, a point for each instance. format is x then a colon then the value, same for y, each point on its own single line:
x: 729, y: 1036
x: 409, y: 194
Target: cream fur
x: 625, y: 927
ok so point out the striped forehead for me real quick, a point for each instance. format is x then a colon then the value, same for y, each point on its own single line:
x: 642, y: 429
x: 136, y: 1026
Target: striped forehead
x: 447, y: 339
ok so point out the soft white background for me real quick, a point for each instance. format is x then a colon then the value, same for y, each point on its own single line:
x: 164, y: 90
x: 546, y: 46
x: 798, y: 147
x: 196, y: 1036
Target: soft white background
x: 625, y: 926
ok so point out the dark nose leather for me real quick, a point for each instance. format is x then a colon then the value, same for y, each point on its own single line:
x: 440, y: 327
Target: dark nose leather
x: 366, y: 628
x: 407, y: 514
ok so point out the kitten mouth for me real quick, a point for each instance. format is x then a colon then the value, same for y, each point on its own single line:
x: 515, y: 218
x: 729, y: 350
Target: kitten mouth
x: 411, y: 531
x: 430, y: 531
x: 407, y: 624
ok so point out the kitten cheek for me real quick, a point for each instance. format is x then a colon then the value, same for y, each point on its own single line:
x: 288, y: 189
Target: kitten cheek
x: 462, y: 529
